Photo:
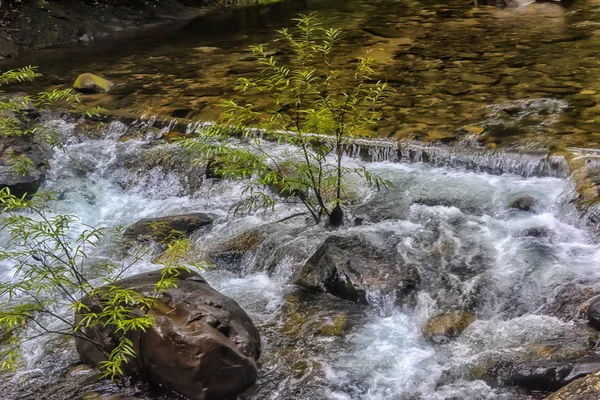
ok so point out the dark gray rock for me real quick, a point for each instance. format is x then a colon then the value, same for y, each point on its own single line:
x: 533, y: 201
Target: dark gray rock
x: 586, y: 388
x: 22, y: 102
x: 351, y: 267
x: 30, y: 182
x: 541, y: 375
x: 202, y: 345
x: 524, y: 203
x: 593, y: 313
x: 7, y: 48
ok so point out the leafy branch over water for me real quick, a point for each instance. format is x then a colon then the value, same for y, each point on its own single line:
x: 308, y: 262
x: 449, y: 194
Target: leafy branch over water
x: 55, y: 270
x: 314, y: 108
x: 18, y: 116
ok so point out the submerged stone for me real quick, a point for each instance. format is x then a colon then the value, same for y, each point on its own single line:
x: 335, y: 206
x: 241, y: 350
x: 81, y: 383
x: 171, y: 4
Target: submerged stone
x: 478, y: 79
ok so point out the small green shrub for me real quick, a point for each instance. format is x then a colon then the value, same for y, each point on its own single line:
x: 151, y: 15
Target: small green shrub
x: 315, y: 107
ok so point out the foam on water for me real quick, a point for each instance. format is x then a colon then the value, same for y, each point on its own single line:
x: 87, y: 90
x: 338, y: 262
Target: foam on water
x: 450, y: 223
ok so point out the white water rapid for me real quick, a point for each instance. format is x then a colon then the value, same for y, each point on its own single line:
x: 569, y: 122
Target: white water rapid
x: 454, y: 226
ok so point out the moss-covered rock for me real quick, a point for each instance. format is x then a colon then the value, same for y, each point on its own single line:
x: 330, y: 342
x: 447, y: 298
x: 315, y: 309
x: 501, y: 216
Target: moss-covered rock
x: 335, y: 326
x: 163, y: 228
x: 91, y: 83
x: 448, y: 325
x: 232, y: 253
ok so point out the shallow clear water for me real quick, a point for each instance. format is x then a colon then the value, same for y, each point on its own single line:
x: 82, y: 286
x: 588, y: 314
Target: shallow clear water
x: 454, y: 226
x: 522, y: 76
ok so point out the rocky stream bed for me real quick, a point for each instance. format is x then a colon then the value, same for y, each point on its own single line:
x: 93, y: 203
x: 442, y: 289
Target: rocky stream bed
x: 474, y: 277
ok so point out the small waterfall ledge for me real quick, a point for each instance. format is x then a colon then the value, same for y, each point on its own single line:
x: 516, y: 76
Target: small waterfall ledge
x: 580, y: 205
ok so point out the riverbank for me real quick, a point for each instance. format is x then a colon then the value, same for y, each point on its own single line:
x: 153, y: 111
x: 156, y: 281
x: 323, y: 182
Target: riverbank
x: 36, y: 24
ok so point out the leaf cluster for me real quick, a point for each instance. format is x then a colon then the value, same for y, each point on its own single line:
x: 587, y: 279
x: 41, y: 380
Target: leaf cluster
x: 57, y: 274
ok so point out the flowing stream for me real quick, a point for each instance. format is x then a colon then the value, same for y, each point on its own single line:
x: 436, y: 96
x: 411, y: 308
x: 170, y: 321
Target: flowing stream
x: 454, y: 225
x: 483, y: 77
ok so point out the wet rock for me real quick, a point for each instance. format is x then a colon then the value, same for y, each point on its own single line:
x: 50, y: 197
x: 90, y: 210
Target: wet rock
x: 456, y: 89
x: 544, y: 376
x: 91, y: 396
x: 7, y: 48
x: 353, y: 267
x: 581, y: 100
x: 29, y: 182
x: 336, y: 218
x: 212, y: 169
x: 202, y: 344
x: 572, y: 300
x: 181, y: 112
x: 124, y: 89
x: 537, y: 232
x: 387, y: 131
x: 524, y: 203
x: 161, y: 228
x: 593, y: 313
x: 242, y: 70
x: 447, y: 325
x: 585, y: 388
x: 150, y: 89
x: 90, y: 83
x: 23, y: 104
x: 232, y: 253
x: 85, y: 374
x: 475, y: 130
x: 335, y: 326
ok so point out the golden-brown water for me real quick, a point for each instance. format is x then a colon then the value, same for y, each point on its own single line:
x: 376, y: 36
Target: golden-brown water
x: 521, y: 76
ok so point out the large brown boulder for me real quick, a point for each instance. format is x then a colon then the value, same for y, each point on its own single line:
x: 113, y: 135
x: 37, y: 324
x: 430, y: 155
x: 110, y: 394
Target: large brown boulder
x: 202, y: 345
x: 353, y: 267
x: 161, y: 228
